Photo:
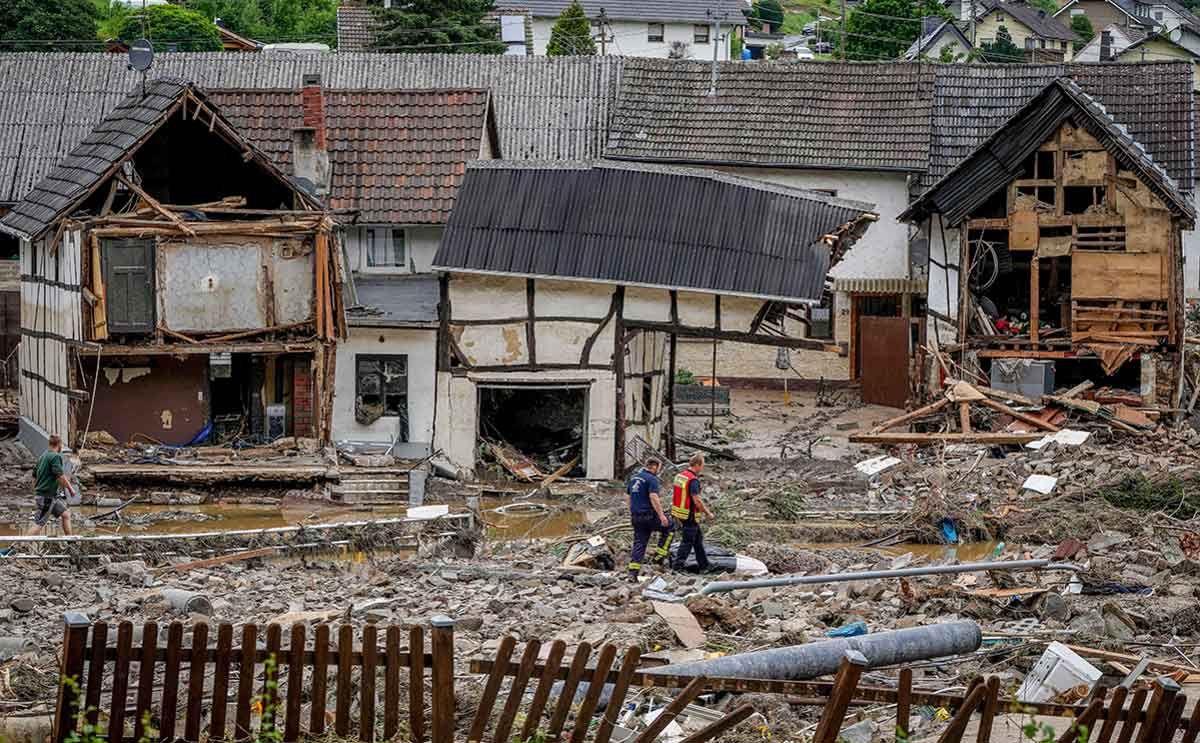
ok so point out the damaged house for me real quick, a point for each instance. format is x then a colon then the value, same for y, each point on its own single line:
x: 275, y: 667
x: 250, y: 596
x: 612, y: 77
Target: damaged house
x: 396, y: 161
x: 567, y: 287
x: 1069, y: 234
x: 177, y: 287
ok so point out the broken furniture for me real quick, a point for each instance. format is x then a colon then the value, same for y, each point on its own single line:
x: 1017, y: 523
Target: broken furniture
x: 959, y: 397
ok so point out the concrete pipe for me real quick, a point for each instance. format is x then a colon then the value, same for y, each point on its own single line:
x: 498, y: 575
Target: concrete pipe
x: 802, y: 662
x: 187, y: 602
x: 11, y: 647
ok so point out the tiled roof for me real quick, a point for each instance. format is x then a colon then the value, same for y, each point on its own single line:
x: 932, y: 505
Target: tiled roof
x: 815, y: 115
x: 546, y: 107
x: 1152, y: 100
x: 647, y: 225
x: 932, y: 29
x: 397, y: 156
x: 679, y: 11
x: 355, y: 28
x: 1036, y: 20
x: 94, y: 159
x: 990, y: 166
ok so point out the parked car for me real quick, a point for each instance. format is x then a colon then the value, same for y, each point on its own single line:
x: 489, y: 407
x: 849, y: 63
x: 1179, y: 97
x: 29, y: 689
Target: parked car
x: 823, y: 47
x: 810, y: 29
x: 803, y: 52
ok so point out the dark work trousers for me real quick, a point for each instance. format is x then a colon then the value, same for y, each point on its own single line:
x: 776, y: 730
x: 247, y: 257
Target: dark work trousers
x: 645, y: 523
x: 693, y: 538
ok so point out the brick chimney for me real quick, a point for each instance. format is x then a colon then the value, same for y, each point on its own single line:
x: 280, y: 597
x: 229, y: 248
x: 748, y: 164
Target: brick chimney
x: 310, y: 156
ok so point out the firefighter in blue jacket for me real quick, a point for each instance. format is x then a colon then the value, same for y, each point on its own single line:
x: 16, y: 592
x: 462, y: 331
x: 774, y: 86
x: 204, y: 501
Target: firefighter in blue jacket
x: 646, y: 513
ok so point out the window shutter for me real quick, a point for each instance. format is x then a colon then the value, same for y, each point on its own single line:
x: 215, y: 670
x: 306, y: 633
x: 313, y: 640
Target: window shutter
x: 129, y: 285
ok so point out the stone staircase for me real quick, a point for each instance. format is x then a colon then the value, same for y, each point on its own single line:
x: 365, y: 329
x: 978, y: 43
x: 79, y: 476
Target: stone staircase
x: 374, y: 486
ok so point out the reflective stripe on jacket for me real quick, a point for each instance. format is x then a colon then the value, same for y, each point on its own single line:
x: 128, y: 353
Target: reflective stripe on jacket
x: 681, y: 497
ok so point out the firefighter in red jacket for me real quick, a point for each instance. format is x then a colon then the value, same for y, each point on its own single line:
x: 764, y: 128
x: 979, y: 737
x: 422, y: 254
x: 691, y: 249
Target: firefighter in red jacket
x: 685, y: 502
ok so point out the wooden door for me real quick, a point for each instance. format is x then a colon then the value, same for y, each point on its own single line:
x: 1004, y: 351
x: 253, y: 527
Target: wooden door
x: 883, y: 350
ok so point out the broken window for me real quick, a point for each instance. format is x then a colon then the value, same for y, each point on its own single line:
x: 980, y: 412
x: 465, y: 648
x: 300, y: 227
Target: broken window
x: 381, y: 390
x: 386, y: 248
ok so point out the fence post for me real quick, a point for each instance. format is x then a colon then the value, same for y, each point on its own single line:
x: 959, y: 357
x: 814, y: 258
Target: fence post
x: 75, y: 631
x: 442, y: 642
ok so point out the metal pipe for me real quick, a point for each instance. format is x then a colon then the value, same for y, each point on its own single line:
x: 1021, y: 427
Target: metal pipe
x: 722, y: 586
x: 801, y: 662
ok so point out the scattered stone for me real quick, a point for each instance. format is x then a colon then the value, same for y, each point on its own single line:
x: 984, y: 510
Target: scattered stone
x: 22, y: 605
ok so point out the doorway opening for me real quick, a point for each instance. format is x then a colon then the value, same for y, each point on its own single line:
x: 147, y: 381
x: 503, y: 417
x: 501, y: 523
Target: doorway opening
x: 547, y: 424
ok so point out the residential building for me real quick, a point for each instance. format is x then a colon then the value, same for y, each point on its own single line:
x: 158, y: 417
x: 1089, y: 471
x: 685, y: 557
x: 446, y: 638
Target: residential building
x: 565, y: 291
x: 880, y: 133
x: 176, y: 284
x: 1043, y: 36
x: 939, y: 37
x: 1159, y: 48
x: 683, y: 29
x: 1080, y: 253
x: 397, y: 159
x: 1109, y: 42
x: 1131, y: 16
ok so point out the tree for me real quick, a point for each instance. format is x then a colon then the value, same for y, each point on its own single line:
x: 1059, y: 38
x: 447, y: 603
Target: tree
x: 47, y: 26
x: 1002, y: 49
x: 1050, y: 6
x: 767, y: 13
x: 873, y: 33
x: 1083, y: 29
x: 948, y: 55
x: 172, y: 27
x: 571, y: 34
x: 274, y: 20
x: 458, y: 26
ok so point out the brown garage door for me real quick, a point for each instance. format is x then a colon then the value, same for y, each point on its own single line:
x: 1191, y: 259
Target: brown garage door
x: 883, y: 350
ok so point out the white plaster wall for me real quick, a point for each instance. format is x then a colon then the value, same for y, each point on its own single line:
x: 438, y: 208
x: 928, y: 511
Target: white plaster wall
x: 458, y: 413
x: 650, y: 305
x: 492, y: 345
x: 942, y: 295
x: 630, y: 39
x: 421, y: 242
x: 562, y: 342
x: 737, y: 313
x: 475, y: 297
x: 696, y: 310
x: 569, y: 299
x: 49, y: 310
x: 883, y: 250
x: 1191, y: 259
x: 209, y: 287
x: 421, y: 348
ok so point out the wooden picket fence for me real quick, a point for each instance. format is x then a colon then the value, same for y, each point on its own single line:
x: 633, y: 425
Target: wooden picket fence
x: 1152, y: 715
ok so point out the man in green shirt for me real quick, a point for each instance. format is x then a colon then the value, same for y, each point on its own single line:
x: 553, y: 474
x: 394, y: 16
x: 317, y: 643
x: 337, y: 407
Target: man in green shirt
x: 48, y: 480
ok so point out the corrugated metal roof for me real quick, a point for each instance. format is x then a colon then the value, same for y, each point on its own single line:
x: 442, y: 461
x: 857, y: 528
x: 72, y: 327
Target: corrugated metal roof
x: 546, y: 107
x: 395, y: 301
x: 999, y: 159
x: 398, y: 156
x: 644, y: 225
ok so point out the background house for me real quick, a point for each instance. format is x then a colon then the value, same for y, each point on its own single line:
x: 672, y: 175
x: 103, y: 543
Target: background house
x: 938, y: 34
x: 1032, y: 29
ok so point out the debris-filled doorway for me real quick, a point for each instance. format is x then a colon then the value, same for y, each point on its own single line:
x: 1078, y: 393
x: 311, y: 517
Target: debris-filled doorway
x: 546, y: 425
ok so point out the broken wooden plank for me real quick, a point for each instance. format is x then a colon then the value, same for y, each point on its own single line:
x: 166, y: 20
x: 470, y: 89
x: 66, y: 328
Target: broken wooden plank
x: 976, y: 437
x: 1023, y: 417
x: 932, y: 407
x: 223, y: 559
x: 153, y: 203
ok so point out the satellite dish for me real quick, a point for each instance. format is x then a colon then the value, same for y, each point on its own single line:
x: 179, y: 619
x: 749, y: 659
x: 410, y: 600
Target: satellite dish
x: 141, y: 55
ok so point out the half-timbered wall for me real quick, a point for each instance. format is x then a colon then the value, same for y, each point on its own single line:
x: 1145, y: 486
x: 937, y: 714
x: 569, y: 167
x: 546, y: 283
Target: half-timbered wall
x: 611, y: 339
x: 50, y: 325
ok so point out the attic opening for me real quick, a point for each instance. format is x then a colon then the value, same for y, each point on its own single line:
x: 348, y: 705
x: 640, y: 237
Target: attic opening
x: 545, y: 424
x: 186, y: 162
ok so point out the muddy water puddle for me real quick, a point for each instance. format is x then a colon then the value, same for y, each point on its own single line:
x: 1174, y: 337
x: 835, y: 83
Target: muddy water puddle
x: 504, y: 521
x: 969, y: 552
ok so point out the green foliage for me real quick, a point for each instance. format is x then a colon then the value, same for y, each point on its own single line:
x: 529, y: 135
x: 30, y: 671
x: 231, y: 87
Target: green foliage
x: 684, y: 377
x: 793, y: 23
x: 571, y: 34
x: 871, y: 37
x: 735, y: 47
x: 167, y: 25
x: 451, y: 26
x: 1176, y: 496
x: 1083, y: 29
x: 44, y: 26
x: 766, y: 12
x: 1050, y: 6
x: 110, y: 16
x: 773, y: 51
x: 274, y: 20
x: 948, y: 56
x: 1002, y: 49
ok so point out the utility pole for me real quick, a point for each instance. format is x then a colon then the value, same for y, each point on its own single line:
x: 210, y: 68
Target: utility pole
x: 602, y: 33
x: 843, y: 44
x: 971, y: 9
x: 716, y: 42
